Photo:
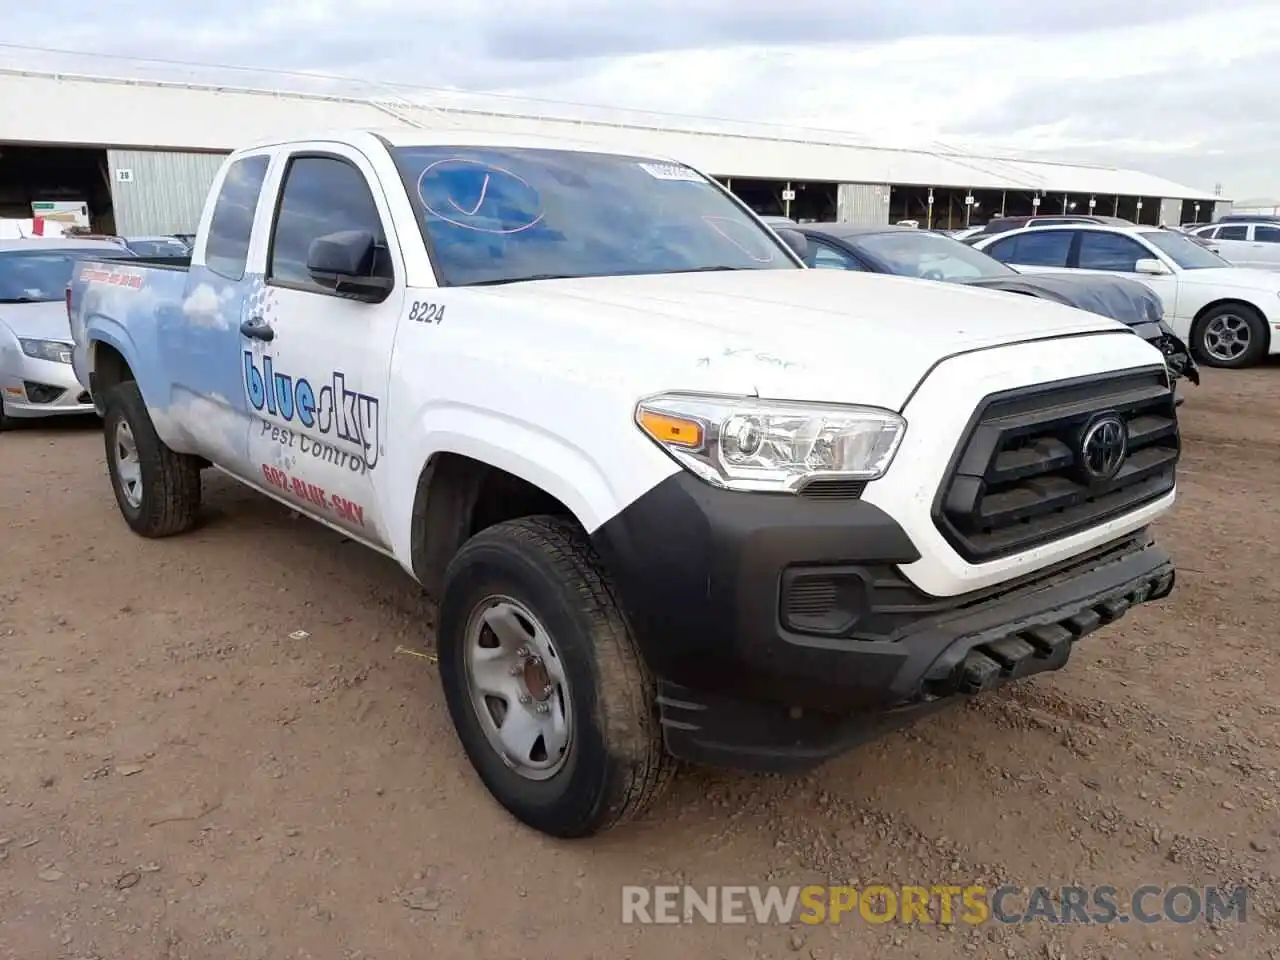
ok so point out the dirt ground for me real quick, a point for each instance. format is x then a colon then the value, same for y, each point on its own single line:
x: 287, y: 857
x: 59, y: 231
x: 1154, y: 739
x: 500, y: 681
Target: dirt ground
x: 184, y: 774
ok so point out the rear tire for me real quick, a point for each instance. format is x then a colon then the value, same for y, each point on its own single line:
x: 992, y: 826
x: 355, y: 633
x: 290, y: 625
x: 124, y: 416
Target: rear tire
x: 1230, y: 336
x: 157, y: 490
x: 541, y: 574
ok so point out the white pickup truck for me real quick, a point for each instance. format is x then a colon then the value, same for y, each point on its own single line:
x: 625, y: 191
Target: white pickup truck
x: 678, y: 497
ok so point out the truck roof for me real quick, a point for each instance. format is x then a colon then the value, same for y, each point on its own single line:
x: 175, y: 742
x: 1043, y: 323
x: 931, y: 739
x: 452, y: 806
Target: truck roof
x: 453, y: 136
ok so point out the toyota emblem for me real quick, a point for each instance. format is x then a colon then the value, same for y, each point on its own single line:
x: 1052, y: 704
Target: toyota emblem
x: 1103, y: 448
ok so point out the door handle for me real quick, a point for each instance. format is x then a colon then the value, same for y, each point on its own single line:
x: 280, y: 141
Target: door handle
x: 255, y: 328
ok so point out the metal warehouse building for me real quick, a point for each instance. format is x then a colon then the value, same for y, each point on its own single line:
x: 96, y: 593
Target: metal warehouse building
x: 141, y: 156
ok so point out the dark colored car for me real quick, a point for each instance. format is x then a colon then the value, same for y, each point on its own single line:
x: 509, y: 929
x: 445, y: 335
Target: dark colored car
x: 1249, y: 218
x: 928, y: 255
x: 1005, y: 224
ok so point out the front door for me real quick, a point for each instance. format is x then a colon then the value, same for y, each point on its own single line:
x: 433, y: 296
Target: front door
x: 316, y: 375
x: 1112, y: 253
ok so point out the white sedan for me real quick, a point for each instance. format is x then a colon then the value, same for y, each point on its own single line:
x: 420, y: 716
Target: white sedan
x: 1230, y: 316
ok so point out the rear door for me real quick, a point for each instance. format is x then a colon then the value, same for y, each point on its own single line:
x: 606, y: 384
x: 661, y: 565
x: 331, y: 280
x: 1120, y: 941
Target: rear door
x: 200, y: 340
x: 1264, y: 246
x: 1232, y: 242
x: 315, y: 365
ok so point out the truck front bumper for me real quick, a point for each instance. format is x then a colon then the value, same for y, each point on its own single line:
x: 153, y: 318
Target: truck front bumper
x: 781, y: 632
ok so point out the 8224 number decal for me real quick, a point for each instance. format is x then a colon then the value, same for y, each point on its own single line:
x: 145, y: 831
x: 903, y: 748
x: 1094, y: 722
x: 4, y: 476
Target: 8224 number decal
x: 423, y: 312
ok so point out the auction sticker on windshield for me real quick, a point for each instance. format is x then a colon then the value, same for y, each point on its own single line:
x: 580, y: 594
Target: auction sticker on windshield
x: 672, y: 171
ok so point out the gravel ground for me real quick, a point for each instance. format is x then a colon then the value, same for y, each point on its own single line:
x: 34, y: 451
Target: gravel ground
x: 216, y: 747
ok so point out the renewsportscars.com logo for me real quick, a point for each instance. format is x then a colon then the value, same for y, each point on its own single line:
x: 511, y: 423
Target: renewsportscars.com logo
x: 943, y: 904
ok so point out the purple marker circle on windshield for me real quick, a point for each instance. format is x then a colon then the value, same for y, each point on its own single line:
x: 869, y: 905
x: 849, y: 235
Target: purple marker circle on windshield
x: 479, y: 196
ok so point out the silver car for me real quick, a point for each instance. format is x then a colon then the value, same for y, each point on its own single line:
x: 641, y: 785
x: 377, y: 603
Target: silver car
x: 36, y: 379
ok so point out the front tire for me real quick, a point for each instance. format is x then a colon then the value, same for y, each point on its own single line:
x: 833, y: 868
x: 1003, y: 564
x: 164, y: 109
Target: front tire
x: 1231, y: 336
x: 546, y: 688
x: 157, y: 490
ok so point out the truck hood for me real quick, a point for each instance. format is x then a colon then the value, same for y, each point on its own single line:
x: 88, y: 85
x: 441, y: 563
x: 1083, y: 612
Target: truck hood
x: 816, y: 335
x: 37, y: 321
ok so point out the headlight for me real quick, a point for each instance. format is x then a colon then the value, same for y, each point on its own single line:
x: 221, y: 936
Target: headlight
x: 771, y: 445
x: 54, y: 350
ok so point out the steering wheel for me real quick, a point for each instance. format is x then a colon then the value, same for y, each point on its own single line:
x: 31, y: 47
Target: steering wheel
x: 933, y: 273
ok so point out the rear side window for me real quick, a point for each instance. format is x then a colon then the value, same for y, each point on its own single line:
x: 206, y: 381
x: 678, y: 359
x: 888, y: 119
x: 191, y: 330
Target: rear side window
x: 227, y: 251
x: 1266, y: 234
x: 1047, y: 249
x: 321, y: 195
x: 824, y: 257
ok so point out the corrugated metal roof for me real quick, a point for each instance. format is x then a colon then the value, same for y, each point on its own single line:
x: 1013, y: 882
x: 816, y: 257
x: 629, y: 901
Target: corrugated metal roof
x: 100, y: 111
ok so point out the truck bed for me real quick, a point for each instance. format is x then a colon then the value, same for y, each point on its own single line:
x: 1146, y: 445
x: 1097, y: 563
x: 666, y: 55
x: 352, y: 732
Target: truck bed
x: 136, y: 306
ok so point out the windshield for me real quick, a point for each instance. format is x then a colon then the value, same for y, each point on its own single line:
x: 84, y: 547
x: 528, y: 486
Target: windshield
x: 1182, y: 250
x: 931, y: 256
x: 501, y: 215
x: 33, y: 276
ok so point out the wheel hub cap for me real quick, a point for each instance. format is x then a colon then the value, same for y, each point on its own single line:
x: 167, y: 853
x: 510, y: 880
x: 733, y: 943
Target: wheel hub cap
x: 1226, y: 337
x: 518, y: 688
x: 124, y: 451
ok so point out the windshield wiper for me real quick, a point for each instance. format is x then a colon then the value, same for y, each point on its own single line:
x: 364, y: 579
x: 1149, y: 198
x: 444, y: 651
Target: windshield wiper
x: 28, y: 299
x: 535, y: 276
x: 595, y: 276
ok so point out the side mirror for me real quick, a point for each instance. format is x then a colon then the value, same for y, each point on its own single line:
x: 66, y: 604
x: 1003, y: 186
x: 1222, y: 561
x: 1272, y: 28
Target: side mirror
x: 796, y: 240
x: 1151, y: 267
x: 344, y: 262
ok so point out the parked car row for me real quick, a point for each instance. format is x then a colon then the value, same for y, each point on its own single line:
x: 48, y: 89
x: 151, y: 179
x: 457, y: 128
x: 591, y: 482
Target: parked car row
x: 928, y: 255
x: 1244, y: 243
x: 1229, y: 315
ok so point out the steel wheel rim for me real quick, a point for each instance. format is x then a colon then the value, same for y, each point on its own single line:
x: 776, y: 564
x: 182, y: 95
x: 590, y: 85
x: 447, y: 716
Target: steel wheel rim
x: 1227, y: 337
x: 518, y: 688
x: 124, y: 451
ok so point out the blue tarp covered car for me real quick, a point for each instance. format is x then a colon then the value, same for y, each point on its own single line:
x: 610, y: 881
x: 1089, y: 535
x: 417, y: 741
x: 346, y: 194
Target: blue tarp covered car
x: 910, y: 252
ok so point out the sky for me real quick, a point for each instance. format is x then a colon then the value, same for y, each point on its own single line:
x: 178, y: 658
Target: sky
x: 1179, y: 88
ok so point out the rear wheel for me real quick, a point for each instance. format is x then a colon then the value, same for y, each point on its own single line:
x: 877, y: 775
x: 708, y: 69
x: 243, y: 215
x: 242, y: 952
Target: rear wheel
x: 1232, y: 336
x: 157, y: 490
x: 547, y: 691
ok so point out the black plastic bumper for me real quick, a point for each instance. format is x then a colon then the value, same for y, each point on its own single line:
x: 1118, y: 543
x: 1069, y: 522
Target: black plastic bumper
x: 782, y: 633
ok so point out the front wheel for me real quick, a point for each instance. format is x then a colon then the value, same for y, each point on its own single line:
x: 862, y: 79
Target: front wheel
x: 546, y: 689
x: 1232, y: 336
x: 157, y: 490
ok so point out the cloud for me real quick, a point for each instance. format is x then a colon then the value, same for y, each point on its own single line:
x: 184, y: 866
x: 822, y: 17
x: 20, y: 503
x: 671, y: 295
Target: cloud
x: 1174, y: 87
x: 204, y: 307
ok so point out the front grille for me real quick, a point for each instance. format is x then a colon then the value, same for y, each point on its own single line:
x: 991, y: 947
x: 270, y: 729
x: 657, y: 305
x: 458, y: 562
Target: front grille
x: 1018, y: 479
